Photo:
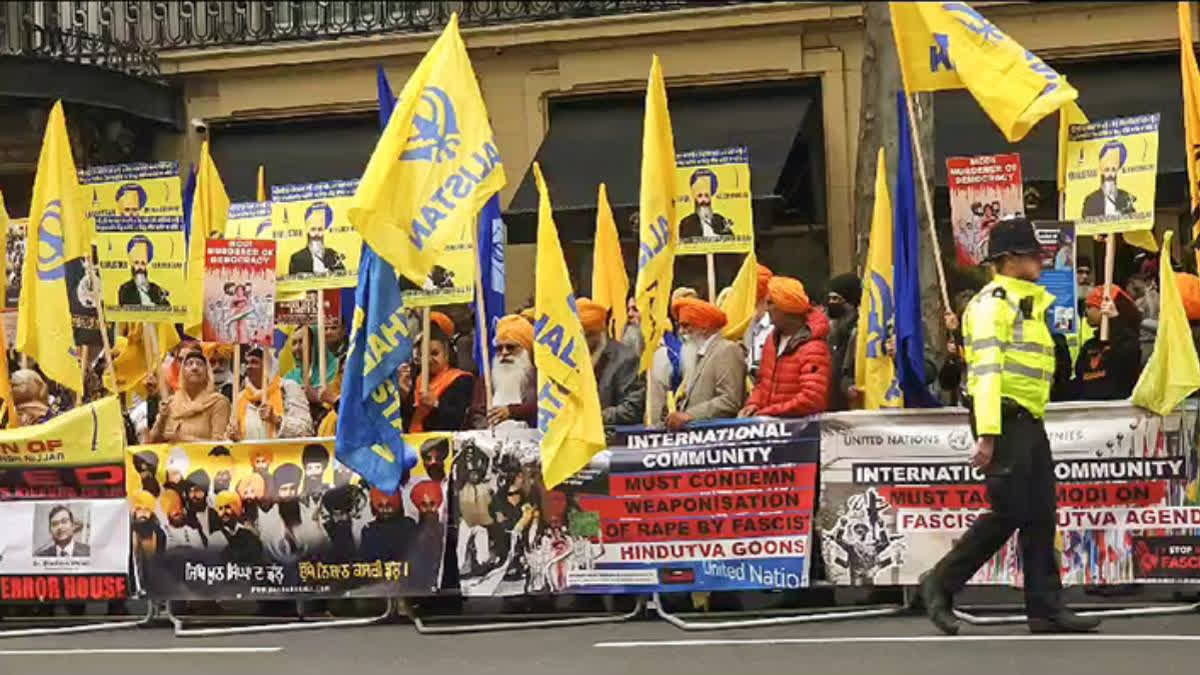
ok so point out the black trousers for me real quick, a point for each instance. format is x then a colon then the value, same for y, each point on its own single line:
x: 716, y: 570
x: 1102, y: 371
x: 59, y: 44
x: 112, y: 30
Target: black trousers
x: 1020, y: 487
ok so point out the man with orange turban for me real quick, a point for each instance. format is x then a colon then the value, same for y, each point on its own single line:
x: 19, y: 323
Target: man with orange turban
x: 241, y: 545
x: 1108, y: 370
x: 714, y: 384
x: 760, y: 327
x: 514, y: 380
x: 793, y: 378
x: 181, y: 531
x: 622, y: 392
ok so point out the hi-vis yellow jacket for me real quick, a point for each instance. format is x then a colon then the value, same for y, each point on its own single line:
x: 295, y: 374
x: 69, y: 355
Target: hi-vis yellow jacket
x: 1008, y: 349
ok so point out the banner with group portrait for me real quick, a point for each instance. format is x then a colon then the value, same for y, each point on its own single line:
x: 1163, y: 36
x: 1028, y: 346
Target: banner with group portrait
x: 63, y: 517
x: 713, y: 190
x: 897, y: 491
x: 316, y: 245
x: 1112, y: 167
x: 283, y: 519
x: 137, y: 213
x: 724, y: 506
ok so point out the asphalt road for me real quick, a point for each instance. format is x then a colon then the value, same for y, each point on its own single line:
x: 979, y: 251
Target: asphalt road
x: 907, y: 644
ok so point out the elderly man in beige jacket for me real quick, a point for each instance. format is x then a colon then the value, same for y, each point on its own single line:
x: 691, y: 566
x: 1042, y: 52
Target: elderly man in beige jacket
x: 714, y: 368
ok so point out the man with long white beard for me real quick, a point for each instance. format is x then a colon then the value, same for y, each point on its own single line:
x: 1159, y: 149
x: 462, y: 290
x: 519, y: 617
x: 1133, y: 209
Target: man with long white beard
x: 704, y: 221
x: 315, y: 258
x: 514, y: 380
x: 622, y: 392
x: 714, y: 368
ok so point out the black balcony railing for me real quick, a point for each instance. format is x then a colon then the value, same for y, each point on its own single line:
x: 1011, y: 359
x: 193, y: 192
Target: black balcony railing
x: 157, y: 26
x: 67, y: 31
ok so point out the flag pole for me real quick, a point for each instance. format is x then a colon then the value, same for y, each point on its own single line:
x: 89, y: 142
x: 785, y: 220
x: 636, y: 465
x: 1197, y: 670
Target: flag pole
x: 424, y: 354
x: 237, y: 371
x: 108, y: 357
x: 150, y: 342
x: 306, y: 358
x: 485, y: 352
x: 1110, y: 253
x: 649, y: 398
x: 712, y: 279
x: 266, y: 377
x: 83, y: 370
x: 937, y: 247
x: 320, y: 338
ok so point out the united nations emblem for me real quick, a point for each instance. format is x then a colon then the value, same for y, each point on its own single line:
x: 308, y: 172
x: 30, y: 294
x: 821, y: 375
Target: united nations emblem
x: 435, y: 129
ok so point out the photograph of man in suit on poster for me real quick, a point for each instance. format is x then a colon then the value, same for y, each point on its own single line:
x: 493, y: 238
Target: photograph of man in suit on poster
x: 315, y: 258
x: 704, y: 221
x: 1109, y: 200
x: 140, y: 291
x: 63, y: 530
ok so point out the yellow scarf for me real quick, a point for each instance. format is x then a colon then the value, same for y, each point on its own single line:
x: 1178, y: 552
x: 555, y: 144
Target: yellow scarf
x: 251, y: 395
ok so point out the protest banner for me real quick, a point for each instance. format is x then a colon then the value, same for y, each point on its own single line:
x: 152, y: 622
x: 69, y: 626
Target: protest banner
x: 1058, y: 273
x: 249, y: 220
x: 283, y: 519
x: 316, y: 245
x: 63, y: 517
x: 984, y: 189
x: 1111, y: 172
x: 303, y: 312
x: 726, y: 506
x: 713, y: 189
x: 898, y: 491
x: 239, y: 291
x: 137, y: 213
x: 14, y: 251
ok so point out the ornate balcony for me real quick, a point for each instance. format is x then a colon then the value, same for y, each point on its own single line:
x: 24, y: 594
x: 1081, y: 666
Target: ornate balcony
x: 75, y: 32
x: 188, y: 24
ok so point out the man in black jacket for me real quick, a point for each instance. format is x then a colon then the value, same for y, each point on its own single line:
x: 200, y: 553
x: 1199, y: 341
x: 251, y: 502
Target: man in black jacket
x: 314, y: 258
x: 1109, y: 200
x: 140, y: 291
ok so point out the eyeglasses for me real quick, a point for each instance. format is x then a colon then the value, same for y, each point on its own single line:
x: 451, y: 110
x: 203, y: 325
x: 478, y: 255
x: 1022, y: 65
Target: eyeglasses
x: 507, y: 347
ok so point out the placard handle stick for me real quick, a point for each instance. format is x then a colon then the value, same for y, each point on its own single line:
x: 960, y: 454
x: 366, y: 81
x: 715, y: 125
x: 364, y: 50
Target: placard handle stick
x: 424, y: 351
x: 306, y: 358
x: 108, y: 357
x: 712, y: 279
x: 320, y: 338
x: 237, y: 371
x: 1110, y: 253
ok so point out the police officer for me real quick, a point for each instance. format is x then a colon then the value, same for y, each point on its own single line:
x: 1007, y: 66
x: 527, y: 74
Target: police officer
x: 1010, y: 368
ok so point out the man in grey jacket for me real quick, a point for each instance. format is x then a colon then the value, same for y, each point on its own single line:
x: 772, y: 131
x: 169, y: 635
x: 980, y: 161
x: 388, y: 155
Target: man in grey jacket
x: 714, y: 368
x: 622, y: 391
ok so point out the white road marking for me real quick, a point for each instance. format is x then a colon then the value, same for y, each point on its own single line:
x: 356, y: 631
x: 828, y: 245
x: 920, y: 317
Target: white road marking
x: 1085, y: 637
x: 140, y: 651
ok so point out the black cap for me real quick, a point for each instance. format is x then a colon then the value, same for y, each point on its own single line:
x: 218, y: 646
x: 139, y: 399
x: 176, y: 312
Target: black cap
x: 1012, y: 236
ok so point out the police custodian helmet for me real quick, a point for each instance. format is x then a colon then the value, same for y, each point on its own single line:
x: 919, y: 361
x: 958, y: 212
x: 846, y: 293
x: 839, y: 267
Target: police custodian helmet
x: 1012, y: 236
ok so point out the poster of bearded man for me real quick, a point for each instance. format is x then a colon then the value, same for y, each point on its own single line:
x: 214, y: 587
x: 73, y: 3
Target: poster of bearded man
x: 317, y: 247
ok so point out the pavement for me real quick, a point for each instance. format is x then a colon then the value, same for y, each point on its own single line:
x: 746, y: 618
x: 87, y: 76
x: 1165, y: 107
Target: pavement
x: 892, y: 645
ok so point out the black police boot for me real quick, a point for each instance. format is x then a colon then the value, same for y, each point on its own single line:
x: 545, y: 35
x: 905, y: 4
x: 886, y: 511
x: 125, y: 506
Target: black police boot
x: 937, y: 604
x: 1064, y: 621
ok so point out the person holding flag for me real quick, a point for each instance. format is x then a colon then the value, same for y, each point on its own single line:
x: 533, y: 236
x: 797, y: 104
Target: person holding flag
x: 1010, y: 368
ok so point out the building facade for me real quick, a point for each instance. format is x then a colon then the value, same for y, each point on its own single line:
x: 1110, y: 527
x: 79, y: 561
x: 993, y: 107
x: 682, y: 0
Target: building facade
x: 291, y: 85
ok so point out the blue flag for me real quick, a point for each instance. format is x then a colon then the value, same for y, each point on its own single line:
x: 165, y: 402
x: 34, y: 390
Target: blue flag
x: 387, y: 100
x: 189, y: 195
x: 910, y: 332
x: 370, y: 437
x: 489, y: 246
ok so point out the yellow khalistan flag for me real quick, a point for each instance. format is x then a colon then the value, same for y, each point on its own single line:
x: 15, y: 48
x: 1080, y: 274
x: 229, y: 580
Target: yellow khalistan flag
x: 5, y: 382
x: 610, y: 283
x: 1173, y: 371
x: 434, y: 167
x: 742, y: 303
x: 874, y: 369
x: 210, y: 210
x: 1191, y: 112
x: 658, y: 232
x: 57, y: 234
x: 569, y: 406
x: 262, y: 183
x: 949, y: 45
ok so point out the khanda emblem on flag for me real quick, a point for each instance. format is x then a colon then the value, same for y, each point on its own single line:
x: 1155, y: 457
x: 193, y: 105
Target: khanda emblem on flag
x: 978, y: 24
x: 436, y: 132
x: 50, y: 255
x: 880, y: 323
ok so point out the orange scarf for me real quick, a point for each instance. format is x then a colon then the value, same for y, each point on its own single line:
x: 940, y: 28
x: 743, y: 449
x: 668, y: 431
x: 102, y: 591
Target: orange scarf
x: 437, y: 386
x: 250, y: 395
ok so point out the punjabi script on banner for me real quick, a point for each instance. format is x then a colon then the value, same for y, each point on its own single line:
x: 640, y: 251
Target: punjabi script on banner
x: 713, y: 190
x: 1112, y: 168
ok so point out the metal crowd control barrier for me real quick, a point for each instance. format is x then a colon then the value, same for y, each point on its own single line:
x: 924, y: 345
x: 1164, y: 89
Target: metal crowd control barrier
x: 145, y: 620
x: 425, y: 628
x: 813, y: 616
x: 182, y: 631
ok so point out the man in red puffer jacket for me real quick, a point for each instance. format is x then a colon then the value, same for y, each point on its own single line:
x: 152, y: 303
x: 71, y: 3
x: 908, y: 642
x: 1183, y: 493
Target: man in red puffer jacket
x: 793, y: 379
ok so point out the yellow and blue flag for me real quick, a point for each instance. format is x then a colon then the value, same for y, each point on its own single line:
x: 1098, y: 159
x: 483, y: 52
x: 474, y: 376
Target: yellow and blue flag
x: 610, y: 282
x: 658, y: 231
x: 1173, y: 371
x: 5, y: 382
x: 489, y: 248
x: 210, y: 210
x: 949, y: 45
x: 1190, y: 74
x: 434, y: 167
x: 568, y: 402
x: 370, y: 430
x: 874, y: 368
x: 56, y: 239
